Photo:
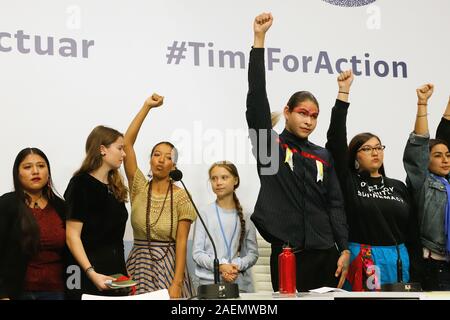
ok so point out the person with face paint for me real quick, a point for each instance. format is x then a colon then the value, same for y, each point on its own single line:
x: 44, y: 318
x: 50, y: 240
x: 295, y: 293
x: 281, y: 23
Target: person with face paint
x: 427, y: 164
x: 161, y: 216
x: 299, y: 201
x: 379, y: 213
x: 96, y: 214
x: 32, y: 233
x: 233, y: 233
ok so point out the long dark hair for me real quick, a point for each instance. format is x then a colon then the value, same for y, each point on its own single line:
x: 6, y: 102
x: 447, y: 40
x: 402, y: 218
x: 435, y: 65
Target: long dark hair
x: 355, y: 144
x: 231, y: 168
x: 105, y: 136
x: 30, y: 230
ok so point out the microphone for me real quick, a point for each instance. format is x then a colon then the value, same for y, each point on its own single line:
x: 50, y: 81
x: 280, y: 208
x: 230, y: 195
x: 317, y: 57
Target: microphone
x: 216, y: 290
x: 176, y: 175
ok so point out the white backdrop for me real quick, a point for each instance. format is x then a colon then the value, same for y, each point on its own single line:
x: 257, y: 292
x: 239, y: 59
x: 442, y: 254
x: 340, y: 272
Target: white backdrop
x: 53, y: 101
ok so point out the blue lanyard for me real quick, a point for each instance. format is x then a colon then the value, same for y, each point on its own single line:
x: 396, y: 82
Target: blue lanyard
x: 227, y: 244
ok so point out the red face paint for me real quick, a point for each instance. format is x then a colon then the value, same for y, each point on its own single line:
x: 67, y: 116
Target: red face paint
x: 306, y: 111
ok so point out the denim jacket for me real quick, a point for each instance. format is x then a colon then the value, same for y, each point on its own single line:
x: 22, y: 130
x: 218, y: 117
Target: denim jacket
x: 429, y: 194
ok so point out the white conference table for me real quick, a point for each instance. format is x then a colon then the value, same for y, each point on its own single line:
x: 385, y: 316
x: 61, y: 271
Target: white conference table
x: 434, y: 295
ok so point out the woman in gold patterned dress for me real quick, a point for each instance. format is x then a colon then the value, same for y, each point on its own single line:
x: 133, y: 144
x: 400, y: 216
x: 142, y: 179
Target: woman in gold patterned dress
x: 161, y: 216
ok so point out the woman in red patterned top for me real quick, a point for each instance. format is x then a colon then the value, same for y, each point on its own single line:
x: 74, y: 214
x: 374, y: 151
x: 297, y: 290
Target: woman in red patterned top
x: 32, y: 232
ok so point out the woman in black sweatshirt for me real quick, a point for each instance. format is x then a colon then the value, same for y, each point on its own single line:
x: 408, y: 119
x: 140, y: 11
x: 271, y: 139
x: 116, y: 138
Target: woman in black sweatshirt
x: 378, y: 208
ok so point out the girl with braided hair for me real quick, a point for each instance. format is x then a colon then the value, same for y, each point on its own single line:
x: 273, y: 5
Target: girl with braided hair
x: 161, y: 216
x: 234, y: 234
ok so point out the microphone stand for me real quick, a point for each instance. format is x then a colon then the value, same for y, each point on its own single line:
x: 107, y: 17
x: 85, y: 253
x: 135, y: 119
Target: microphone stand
x: 399, y: 266
x: 217, y: 290
x: 398, y: 286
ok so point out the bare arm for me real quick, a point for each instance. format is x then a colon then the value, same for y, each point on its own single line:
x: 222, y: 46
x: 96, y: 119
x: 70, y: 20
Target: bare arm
x: 73, y: 240
x: 423, y: 94
x: 130, y: 162
x: 416, y: 154
x: 345, y: 80
x: 180, y: 258
x: 261, y: 24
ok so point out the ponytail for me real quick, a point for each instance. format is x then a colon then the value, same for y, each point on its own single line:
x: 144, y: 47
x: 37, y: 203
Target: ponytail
x: 275, y: 117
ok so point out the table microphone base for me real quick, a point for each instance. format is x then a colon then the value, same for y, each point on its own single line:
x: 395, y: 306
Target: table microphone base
x: 218, y: 291
x: 402, y: 287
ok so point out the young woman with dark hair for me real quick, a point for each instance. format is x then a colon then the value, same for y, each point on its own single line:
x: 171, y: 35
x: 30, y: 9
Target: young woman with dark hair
x: 32, y: 232
x: 234, y: 234
x: 161, y: 216
x: 427, y: 164
x: 97, y: 215
x: 380, y: 216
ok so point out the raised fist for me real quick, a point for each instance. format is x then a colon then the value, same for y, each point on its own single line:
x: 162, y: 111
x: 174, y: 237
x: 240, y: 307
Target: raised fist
x: 154, y: 101
x: 345, y: 80
x: 262, y: 23
x: 424, y: 92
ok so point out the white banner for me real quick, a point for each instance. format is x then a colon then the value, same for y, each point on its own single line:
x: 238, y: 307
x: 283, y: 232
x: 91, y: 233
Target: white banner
x: 68, y: 66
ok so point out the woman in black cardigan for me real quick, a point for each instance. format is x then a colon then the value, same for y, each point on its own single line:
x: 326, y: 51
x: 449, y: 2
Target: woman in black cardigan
x: 32, y: 232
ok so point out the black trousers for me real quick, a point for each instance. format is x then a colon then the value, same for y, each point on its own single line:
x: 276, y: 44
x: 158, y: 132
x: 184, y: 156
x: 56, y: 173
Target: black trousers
x: 315, y: 268
x: 436, y: 276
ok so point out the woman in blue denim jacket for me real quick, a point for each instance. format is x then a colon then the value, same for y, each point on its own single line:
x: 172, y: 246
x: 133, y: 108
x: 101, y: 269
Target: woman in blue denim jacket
x: 427, y: 164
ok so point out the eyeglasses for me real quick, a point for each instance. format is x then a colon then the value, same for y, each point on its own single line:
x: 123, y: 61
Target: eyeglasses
x: 369, y: 149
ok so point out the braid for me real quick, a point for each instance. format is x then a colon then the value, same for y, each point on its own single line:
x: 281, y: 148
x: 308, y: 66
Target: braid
x: 241, y: 219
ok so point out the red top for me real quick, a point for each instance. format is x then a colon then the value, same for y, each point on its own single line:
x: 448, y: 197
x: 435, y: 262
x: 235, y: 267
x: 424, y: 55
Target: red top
x: 45, y: 270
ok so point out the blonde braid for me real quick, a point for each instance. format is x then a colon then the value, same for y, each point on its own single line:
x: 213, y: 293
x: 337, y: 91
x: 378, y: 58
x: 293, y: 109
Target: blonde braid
x: 241, y: 219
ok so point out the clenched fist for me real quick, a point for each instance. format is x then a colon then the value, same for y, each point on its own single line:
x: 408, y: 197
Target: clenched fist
x: 154, y: 101
x: 345, y: 80
x: 424, y: 93
x: 262, y: 23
